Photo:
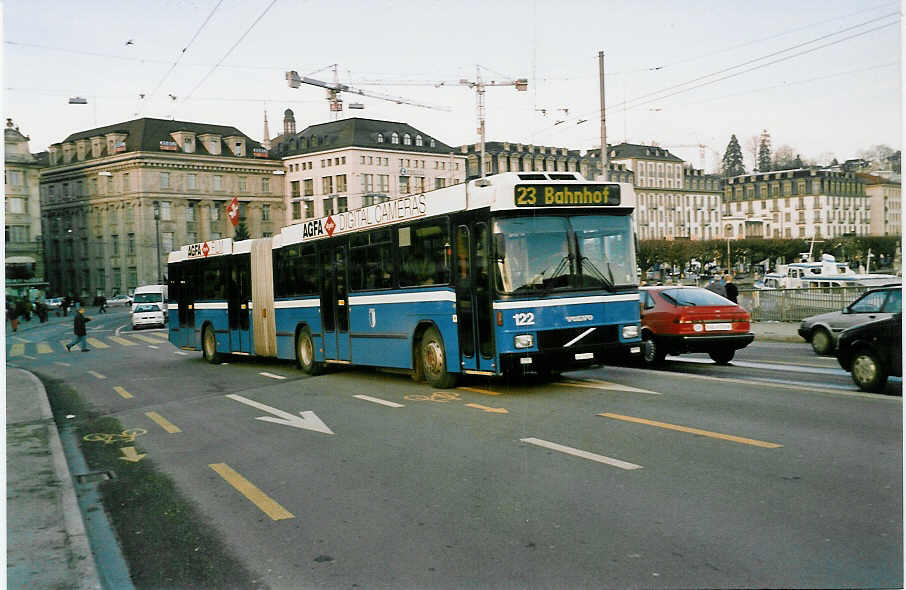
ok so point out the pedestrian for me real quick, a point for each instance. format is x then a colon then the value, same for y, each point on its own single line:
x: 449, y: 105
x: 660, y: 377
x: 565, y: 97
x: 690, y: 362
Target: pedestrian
x: 717, y: 286
x: 65, y: 305
x: 79, y: 321
x: 731, y: 289
x: 41, y: 310
x: 13, y: 318
x: 102, y: 304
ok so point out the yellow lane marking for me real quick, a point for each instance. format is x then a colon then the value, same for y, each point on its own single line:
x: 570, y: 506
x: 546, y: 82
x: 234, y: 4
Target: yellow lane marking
x: 162, y: 335
x: 607, y: 385
x: 98, y: 375
x: 123, y: 393
x: 17, y: 349
x: 483, y: 391
x: 144, y: 338
x: 96, y: 343
x: 44, y: 348
x: 708, y: 433
x: 264, y: 502
x: 487, y: 409
x: 131, y: 455
x: 163, y: 422
x: 122, y: 341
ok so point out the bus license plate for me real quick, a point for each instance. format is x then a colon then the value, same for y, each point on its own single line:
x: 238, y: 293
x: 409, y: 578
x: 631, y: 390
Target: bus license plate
x: 581, y: 356
x: 718, y: 327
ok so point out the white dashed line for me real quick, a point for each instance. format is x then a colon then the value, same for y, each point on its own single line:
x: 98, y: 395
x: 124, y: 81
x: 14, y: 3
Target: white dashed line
x: 376, y: 400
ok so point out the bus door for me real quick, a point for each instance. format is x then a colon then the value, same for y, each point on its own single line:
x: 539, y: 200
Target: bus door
x: 474, y: 313
x: 238, y: 296
x: 334, y: 304
x: 185, y: 299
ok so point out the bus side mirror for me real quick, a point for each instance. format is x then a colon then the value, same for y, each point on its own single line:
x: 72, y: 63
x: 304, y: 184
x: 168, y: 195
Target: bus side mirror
x: 500, y: 247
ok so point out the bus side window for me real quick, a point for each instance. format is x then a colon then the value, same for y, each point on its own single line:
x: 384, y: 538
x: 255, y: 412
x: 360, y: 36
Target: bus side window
x: 423, y: 262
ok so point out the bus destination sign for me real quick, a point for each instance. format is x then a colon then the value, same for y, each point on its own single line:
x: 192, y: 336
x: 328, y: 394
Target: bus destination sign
x: 561, y: 195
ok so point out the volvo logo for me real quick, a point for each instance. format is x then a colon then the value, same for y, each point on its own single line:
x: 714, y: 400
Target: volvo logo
x: 372, y: 317
x: 579, y: 318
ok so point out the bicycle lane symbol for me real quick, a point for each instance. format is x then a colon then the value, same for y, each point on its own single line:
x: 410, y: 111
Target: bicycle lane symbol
x: 128, y: 435
x: 438, y: 396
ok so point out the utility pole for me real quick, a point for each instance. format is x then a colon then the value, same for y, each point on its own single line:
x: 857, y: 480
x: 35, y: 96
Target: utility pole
x: 605, y: 158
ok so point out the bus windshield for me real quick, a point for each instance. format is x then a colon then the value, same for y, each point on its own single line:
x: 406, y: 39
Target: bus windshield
x: 546, y: 253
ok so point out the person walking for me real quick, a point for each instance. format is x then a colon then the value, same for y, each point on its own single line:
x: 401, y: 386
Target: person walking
x: 13, y: 318
x: 102, y: 304
x: 730, y: 287
x: 65, y: 305
x: 79, y: 322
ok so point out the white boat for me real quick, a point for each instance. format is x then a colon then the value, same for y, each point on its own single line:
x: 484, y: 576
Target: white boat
x: 827, y: 273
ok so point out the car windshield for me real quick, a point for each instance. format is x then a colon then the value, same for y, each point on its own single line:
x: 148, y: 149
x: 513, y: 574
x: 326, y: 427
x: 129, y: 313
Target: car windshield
x: 147, y: 298
x: 693, y: 297
x: 146, y: 308
x: 544, y: 253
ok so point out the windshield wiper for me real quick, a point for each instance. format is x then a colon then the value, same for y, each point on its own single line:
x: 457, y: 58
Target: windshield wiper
x: 595, y: 271
x: 558, y: 270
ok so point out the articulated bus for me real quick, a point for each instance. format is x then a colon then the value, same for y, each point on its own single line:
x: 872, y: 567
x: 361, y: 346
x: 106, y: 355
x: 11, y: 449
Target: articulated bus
x: 513, y: 273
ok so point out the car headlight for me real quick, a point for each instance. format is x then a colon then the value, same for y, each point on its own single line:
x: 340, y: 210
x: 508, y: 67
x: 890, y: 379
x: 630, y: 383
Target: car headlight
x: 630, y: 332
x: 524, y: 341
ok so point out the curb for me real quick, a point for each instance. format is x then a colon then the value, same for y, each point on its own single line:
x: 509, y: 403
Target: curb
x: 83, y: 563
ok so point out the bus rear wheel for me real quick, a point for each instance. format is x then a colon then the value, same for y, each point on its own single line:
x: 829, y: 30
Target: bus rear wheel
x: 209, y: 346
x: 434, y: 360
x: 305, y: 353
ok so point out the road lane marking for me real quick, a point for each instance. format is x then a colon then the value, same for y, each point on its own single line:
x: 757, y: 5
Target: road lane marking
x: 17, y: 350
x: 796, y: 368
x: 606, y: 385
x: 580, y: 453
x: 697, y: 431
x: 98, y: 375
x: 479, y: 390
x: 162, y: 335
x: 144, y: 338
x: 181, y: 353
x: 96, y: 343
x: 152, y: 346
x: 44, y: 348
x: 62, y: 364
x: 123, y: 341
x: 20, y: 339
x: 163, y: 422
x: 271, y: 375
x: 264, y: 502
x: 376, y: 400
x: 488, y: 409
x: 123, y: 393
x: 26, y: 356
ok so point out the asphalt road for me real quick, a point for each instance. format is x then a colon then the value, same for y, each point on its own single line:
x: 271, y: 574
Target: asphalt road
x: 772, y: 472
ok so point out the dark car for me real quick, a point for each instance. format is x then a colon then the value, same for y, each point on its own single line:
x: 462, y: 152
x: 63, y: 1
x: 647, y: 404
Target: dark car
x: 872, y: 352
x: 676, y: 320
x: 823, y: 329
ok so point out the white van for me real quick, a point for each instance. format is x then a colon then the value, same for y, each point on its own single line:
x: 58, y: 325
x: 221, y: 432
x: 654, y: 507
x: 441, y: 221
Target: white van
x: 154, y: 294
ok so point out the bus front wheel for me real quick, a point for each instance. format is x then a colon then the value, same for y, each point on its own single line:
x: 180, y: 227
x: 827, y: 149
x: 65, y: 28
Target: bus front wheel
x: 305, y: 353
x: 434, y: 360
x: 209, y: 345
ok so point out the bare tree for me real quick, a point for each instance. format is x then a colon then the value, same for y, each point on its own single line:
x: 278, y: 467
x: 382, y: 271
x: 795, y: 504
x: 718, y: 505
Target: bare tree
x: 784, y: 157
x: 752, y: 144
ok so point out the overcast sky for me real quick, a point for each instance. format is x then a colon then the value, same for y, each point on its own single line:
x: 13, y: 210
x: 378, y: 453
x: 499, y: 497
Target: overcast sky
x: 664, y: 61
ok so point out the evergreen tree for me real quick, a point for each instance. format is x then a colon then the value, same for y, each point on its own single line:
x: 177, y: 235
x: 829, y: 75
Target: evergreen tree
x: 764, y: 152
x: 242, y: 232
x: 732, y: 164
x: 834, y: 162
x: 797, y: 163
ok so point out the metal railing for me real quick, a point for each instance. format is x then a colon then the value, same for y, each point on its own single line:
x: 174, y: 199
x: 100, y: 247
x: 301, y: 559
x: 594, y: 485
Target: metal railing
x: 793, y: 305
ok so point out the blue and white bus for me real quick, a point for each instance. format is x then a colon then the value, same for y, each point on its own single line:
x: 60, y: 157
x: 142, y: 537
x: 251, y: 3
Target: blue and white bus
x: 514, y: 273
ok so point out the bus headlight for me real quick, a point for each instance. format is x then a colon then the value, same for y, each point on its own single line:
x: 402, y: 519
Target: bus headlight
x: 524, y: 341
x: 630, y: 332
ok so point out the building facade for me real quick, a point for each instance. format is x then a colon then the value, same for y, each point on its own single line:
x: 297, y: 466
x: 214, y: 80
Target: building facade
x: 104, y: 186
x: 351, y: 163
x: 885, y: 208
x: 24, y: 249
x: 674, y: 201
x: 505, y: 156
x: 801, y: 203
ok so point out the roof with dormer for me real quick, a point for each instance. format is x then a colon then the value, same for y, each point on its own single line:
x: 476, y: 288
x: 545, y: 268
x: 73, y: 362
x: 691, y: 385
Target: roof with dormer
x: 355, y: 132
x: 641, y: 152
x: 145, y: 134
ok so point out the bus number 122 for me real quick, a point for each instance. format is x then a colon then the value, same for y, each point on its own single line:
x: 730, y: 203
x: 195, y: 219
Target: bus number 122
x: 524, y: 319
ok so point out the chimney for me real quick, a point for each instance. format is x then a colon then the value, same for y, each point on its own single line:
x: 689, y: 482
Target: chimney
x: 289, y: 122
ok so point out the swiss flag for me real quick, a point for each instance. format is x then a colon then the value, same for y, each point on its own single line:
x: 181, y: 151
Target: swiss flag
x: 233, y: 211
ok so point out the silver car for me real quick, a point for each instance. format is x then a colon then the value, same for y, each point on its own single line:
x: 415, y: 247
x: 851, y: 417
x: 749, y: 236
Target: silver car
x: 823, y: 330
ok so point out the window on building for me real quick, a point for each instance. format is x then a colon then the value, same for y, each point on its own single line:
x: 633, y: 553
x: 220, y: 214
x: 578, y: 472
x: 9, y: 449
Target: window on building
x: 368, y: 183
x: 166, y: 241
x: 326, y: 185
x: 404, y: 185
x: 328, y: 206
x: 165, y: 212
x: 394, y: 137
x: 308, y: 187
x: 418, y: 141
x: 164, y: 180
x: 294, y: 189
x: 440, y: 182
x: 190, y: 211
x: 309, y: 207
x: 242, y: 184
x: 14, y: 177
x: 130, y: 244
x: 191, y: 237
x: 265, y: 212
x: 17, y: 233
x: 297, y: 210
x: 341, y: 183
x: 217, y: 182
x: 383, y: 183
x: 266, y: 185
x: 115, y: 242
x: 380, y: 138
x: 342, y: 205
x: 132, y: 281
x: 15, y: 205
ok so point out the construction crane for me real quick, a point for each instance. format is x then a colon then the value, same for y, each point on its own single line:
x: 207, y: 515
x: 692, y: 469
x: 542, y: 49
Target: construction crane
x: 479, y: 85
x: 701, y: 150
x: 335, y: 88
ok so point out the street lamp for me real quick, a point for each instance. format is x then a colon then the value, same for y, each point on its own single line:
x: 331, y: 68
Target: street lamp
x: 155, y: 207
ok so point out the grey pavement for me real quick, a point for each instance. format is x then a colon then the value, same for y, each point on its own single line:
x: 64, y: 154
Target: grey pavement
x: 46, y: 542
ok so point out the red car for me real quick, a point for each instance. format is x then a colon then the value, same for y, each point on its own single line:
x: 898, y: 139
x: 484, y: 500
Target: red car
x: 677, y: 319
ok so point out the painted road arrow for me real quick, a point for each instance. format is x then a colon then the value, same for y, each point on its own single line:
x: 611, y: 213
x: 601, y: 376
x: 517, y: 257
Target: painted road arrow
x: 131, y: 455
x: 306, y: 420
x: 487, y: 409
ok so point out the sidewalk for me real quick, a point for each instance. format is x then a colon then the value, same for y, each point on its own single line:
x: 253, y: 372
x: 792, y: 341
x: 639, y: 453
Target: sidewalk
x: 46, y: 542
x: 777, y: 332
